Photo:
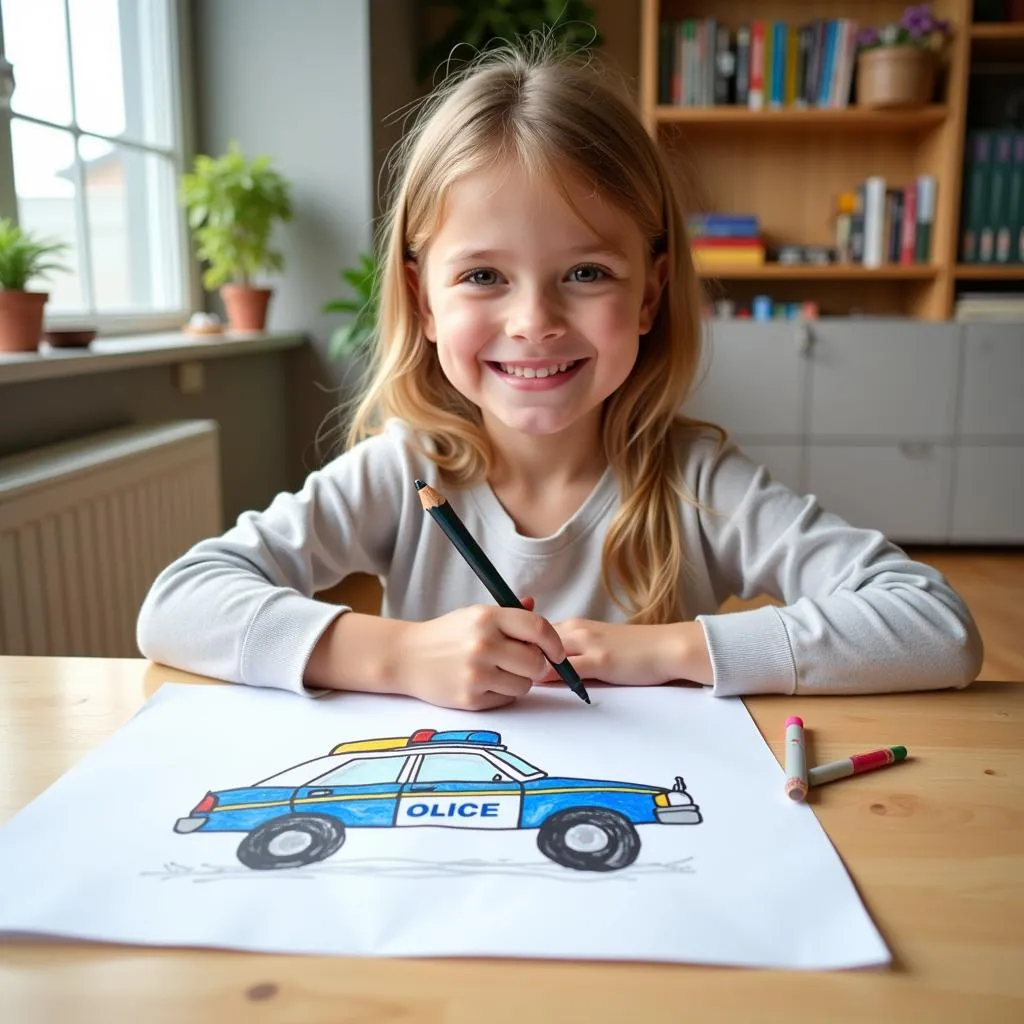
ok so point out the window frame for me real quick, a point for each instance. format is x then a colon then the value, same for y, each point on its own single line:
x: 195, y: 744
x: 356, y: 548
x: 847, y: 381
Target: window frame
x: 180, y: 152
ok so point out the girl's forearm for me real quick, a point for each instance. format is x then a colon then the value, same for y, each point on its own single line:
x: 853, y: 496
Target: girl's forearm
x: 357, y: 652
x: 685, y: 653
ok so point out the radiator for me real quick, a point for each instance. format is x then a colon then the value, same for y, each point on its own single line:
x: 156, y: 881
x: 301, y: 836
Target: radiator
x: 86, y: 526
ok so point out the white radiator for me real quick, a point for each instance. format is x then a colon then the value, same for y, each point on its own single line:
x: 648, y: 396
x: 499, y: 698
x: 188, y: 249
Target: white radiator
x: 87, y: 525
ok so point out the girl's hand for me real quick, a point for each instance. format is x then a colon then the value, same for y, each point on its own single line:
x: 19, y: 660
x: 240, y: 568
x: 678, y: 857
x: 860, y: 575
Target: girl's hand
x: 474, y: 658
x: 635, y: 655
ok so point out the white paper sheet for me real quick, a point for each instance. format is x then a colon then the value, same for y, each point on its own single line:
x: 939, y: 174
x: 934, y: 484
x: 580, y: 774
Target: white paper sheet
x: 743, y: 877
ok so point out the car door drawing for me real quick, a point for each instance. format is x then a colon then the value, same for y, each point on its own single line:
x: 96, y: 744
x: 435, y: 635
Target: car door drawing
x: 460, y: 789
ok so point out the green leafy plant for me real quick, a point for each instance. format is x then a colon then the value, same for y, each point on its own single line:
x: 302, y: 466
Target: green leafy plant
x: 232, y: 206
x: 354, y: 336
x: 24, y: 256
x: 485, y: 24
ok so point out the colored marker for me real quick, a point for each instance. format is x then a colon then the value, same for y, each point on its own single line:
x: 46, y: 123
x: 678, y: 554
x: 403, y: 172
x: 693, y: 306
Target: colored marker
x: 855, y: 765
x: 796, y: 759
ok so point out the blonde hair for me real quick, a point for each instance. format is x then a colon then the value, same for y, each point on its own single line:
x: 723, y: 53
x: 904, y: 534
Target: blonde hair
x: 554, y: 113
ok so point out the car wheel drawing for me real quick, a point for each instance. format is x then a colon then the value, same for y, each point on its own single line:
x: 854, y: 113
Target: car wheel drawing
x: 291, y: 842
x: 589, y: 839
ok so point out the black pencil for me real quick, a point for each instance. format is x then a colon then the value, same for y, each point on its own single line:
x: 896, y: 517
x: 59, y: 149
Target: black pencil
x: 455, y: 530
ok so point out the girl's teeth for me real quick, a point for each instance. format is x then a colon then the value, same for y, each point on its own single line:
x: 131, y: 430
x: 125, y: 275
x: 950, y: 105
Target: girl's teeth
x: 529, y: 372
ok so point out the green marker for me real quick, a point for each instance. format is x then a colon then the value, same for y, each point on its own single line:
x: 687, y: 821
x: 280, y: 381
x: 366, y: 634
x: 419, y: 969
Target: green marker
x: 855, y: 765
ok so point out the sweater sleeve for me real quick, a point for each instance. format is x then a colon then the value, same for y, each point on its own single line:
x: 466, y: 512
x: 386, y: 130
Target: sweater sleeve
x: 857, y: 614
x: 241, y: 607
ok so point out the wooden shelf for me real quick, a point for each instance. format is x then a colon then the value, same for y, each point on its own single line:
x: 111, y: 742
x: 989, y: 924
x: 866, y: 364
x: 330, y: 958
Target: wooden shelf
x: 812, y: 119
x: 832, y: 272
x: 989, y: 271
x: 998, y: 41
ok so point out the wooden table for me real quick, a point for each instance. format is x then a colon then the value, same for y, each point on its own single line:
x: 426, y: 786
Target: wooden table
x: 936, y: 847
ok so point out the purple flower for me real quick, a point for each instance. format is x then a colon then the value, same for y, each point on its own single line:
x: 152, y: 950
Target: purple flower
x: 868, y: 37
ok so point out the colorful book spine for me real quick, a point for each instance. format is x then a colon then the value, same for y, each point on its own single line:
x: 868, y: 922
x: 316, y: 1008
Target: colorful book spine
x: 998, y: 220
x: 975, y: 192
x: 926, y: 188
x: 874, y: 221
x: 908, y: 226
x: 755, y: 96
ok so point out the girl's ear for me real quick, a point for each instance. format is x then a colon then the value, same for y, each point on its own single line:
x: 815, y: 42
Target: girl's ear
x: 418, y: 288
x: 654, y: 285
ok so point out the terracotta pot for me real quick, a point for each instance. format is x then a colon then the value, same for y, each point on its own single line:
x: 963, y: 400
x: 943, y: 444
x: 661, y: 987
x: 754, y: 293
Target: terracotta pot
x: 21, y: 320
x: 246, y: 307
x: 895, y: 76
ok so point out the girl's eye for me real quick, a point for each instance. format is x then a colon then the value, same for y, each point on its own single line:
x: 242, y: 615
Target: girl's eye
x: 483, y: 278
x: 587, y: 273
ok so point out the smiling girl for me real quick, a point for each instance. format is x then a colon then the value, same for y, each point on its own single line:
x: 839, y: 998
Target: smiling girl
x: 539, y: 333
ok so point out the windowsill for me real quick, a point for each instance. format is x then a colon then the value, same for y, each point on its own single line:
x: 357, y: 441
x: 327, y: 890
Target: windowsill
x: 125, y: 353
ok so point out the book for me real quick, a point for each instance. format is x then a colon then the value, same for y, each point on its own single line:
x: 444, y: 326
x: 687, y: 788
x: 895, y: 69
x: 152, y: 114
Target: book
x: 926, y: 185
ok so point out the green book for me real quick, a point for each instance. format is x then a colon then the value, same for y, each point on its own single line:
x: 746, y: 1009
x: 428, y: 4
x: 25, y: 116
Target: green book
x: 975, y: 194
x: 997, y: 220
x: 1015, y: 215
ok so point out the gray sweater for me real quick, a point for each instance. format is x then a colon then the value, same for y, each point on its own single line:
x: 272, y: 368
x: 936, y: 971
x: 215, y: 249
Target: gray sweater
x: 858, y: 616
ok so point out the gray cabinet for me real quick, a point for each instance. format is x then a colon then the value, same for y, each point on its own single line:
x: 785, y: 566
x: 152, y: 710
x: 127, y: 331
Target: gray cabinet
x: 988, y: 505
x: 903, y: 490
x: 915, y: 429
x: 993, y: 382
x: 884, y: 379
x: 753, y: 380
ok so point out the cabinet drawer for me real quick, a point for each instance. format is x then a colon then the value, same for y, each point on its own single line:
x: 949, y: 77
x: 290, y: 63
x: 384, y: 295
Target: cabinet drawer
x: 988, y: 501
x: 883, y: 379
x: 752, y: 383
x: 993, y: 381
x: 903, y: 490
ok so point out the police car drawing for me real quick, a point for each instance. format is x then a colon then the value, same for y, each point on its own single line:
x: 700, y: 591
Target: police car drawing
x: 455, y: 779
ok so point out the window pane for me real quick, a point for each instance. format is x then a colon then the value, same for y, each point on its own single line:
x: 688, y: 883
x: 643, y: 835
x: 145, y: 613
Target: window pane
x: 456, y: 768
x: 368, y: 771
x: 133, y: 224
x: 35, y: 41
x: 122, y: 75
x: 44, y: 167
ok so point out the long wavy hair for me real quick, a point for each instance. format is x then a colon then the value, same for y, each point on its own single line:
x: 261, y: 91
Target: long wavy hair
x: 554, y: 113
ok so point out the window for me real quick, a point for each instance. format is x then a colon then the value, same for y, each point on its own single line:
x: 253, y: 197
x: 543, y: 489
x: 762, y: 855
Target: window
x: 95, y: 150
x: 364, y: 771
x: 457, y: 768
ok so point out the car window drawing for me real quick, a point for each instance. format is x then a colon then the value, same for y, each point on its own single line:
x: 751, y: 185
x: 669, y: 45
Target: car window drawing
x: 462, y: 779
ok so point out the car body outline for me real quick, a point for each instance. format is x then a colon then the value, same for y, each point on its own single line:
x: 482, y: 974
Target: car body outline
x: 448, y: 779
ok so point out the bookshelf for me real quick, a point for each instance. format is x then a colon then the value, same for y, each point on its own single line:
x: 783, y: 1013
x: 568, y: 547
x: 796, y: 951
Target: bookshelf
x: 787, y: 166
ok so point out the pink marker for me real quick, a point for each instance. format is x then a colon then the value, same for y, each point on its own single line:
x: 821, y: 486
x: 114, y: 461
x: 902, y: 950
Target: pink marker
x: 796, y: 759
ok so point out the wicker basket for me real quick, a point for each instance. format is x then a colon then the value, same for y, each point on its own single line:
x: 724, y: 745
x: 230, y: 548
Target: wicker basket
x: 895, y: 76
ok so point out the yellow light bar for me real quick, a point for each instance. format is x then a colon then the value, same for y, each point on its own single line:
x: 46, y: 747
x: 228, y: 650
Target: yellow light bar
x: 386, y: 744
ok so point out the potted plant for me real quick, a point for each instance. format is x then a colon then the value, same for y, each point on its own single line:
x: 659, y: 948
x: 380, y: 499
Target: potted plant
x: 483, y: 24
x: 233, y: 205
x: 897, y: 64
x: 353, y: 337
x: 23, y: 257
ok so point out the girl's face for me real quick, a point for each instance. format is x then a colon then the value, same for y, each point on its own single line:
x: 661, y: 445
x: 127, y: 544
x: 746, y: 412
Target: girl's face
x: 536, y: 310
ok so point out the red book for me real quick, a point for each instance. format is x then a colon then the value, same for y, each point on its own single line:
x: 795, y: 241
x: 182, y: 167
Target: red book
x: 756, y: 93
x: 716, y: 242
x: 908, y: 229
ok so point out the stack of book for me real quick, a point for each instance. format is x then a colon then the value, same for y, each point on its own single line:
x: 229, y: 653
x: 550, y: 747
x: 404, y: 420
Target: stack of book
x: 882, y: 223
x: 763, y: 64
x: 725, y: 241
x: 992, y: 212
x: 990, y: 306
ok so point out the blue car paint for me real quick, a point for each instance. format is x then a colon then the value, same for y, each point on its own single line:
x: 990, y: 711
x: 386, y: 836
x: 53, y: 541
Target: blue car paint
x: 376, y: 805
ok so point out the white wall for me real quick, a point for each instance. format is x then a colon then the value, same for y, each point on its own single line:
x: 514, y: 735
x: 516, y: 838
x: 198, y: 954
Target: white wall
x: 292, y: 80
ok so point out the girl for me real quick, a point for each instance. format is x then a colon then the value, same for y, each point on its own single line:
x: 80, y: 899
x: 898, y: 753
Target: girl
x: 539, y: 326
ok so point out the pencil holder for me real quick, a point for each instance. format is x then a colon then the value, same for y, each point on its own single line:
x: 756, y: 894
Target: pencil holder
x: 895, y: 76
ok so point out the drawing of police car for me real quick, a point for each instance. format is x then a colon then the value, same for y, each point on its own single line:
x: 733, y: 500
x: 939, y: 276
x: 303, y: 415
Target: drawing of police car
x: 454, y: 779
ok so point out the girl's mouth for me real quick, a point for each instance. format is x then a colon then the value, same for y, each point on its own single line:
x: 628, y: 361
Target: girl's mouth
x: 516, y: 372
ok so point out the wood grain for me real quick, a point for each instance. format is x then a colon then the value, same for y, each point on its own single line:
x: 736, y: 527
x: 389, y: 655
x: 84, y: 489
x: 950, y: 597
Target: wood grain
x: 933, y: 846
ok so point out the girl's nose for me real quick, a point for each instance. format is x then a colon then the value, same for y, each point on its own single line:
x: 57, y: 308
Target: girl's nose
x: 536, y: 317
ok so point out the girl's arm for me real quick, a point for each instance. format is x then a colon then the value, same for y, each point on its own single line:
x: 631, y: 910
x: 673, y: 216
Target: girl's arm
x: 857, y: 616
x: 241, y: 606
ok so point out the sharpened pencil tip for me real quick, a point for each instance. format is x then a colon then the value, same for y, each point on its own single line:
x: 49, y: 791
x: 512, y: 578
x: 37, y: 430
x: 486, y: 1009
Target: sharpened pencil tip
x: 420, y: 484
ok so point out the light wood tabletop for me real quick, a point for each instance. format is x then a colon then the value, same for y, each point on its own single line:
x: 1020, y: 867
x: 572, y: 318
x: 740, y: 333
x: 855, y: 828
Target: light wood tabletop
x: 935, y: 846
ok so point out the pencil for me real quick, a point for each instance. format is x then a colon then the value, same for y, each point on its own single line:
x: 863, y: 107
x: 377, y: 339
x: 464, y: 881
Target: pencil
x: 455, y: 530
